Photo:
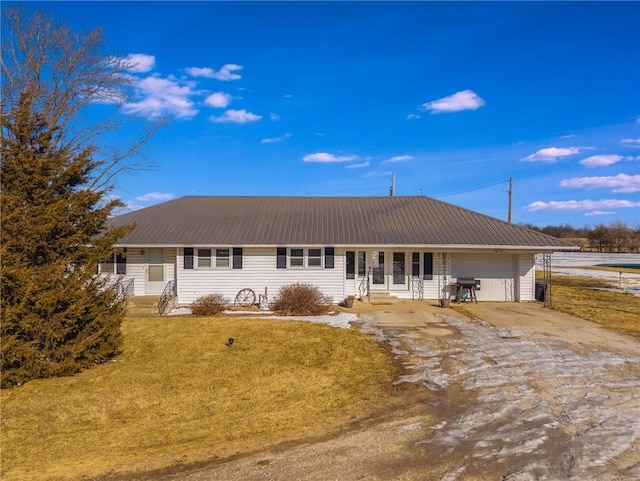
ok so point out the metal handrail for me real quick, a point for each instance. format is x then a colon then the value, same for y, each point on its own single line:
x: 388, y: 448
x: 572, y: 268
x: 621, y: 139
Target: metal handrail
x: 168, y: 294
x: 125, y: 289
x: 363, y: 288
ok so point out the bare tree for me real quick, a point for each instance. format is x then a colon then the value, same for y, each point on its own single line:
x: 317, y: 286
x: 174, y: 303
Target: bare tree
x: 65, y: 74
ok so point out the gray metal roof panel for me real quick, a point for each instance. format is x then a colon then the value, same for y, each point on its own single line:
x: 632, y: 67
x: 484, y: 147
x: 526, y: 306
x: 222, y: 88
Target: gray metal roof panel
x: 400, y: 220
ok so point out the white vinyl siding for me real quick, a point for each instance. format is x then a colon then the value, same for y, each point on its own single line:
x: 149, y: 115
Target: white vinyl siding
x: 497, y: 274
x: 258, y: 272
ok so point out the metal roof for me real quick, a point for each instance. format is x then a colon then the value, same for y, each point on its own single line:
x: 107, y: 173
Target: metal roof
x: 348, y: 221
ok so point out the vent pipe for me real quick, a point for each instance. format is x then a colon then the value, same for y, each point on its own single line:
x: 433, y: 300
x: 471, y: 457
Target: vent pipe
x: 392, y: 191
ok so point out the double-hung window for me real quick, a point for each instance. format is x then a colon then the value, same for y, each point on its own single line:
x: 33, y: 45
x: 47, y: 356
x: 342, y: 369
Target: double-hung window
x: 314, y: 258
x: 301, y: 258
x: 204, y: 258
x: 296, y: 258
x: 222, y: 257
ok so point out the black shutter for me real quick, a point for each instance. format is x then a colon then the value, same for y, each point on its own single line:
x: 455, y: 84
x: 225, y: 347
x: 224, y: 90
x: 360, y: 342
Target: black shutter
x: 188, y: 257
x: 428, y: 266
x: 121, y: 262
x: 351, y: 264
x: 329, y: 253
x: 281, y: 261
x: 237, y: 257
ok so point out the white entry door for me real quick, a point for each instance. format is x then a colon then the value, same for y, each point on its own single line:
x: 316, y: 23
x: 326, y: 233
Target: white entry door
x: 155, y: 271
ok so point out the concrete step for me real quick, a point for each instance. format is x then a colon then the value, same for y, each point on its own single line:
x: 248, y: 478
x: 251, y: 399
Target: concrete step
x: 143, y: 306
x: 381, y: 298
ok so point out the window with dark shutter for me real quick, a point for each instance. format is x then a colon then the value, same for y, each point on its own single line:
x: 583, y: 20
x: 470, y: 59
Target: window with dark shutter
x: 237, y: 257
x: 281, y: 262
x: 329, y: 253
x: 188, y: 257
x: 428, y: 266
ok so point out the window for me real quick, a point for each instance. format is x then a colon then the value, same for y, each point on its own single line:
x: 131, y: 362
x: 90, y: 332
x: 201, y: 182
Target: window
x: 329, y: 255
x: 204, y: 257
x: 415, y: 264
x: 116, y: 263
x: 222, y: 257
x: 281, y: 262
x: 188, y: 257
x: 155, y: 258
x: 296, y: 257
x: 351, y: 264
x: 362, y: 264
x: 106, y: 266
x: 398, y: 268
x: 428, y: 266
x: 314, y: 258
x: 237, y: 257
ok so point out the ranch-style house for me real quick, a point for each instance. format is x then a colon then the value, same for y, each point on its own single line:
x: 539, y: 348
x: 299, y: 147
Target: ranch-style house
x: 405, y: 246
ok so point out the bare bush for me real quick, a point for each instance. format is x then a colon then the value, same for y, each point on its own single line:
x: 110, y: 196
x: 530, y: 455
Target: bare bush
x: 301, y: 300
x: 210, y: 305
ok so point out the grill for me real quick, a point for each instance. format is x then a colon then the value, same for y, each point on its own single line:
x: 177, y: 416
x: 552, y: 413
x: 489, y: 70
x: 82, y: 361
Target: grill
x: 466, y: 288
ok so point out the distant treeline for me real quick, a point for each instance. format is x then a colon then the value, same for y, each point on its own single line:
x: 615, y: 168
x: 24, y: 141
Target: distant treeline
x: 615, y: 237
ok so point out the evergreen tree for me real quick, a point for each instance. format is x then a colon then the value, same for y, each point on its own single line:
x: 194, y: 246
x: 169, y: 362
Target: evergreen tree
x: 57, y: 316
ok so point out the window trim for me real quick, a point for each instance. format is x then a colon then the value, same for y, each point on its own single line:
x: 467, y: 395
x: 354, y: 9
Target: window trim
x: 316, y: 258
x: 223, y: 258
x: 204, y: 258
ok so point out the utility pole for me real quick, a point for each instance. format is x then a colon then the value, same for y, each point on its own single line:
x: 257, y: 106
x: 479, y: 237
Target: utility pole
x: 510, y: 198
x: 392, y: 191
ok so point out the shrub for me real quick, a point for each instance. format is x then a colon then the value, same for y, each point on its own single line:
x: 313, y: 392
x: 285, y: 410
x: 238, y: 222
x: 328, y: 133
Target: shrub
x: 210, y: 305
x: 301, y: 300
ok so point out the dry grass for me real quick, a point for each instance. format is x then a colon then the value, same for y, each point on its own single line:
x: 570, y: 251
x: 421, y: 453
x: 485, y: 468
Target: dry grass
x: 178, y: 394
x: 585, y: 297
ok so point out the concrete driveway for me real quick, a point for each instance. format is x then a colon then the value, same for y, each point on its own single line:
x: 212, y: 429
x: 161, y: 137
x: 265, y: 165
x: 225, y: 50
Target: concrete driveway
x: 519, y: 393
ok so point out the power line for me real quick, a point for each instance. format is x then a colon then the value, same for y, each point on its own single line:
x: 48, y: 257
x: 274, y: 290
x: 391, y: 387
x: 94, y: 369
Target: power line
x: 470, y: 190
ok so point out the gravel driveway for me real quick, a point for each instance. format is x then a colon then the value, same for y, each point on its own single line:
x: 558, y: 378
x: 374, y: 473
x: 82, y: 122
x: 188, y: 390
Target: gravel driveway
x: 520, y: 393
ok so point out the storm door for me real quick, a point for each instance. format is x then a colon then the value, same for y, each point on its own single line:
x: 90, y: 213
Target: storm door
x: 155, y: 270
x: 378, y: 275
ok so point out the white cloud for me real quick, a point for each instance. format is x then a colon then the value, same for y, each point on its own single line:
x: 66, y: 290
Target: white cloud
x: 324, y: 157
x: 275, y: 140
x: 236, y: 117
x: 274, y: 117
x: 568, y: 136
x: 140, y: 62
x: 218, y: 100
x: 154, y: 196
x: 601, y: 160
x: 378, y: 173
x: 225, y: 73
x: 463, y: 100
x: 598, y: 212
x: 413, y: 116
x: 551, y: 154
x: 162, y: 97
x: 621, y: 183
x: 631, y: 143
x: 358, y: 166
x: 582, y: 204
x: 399, y: 158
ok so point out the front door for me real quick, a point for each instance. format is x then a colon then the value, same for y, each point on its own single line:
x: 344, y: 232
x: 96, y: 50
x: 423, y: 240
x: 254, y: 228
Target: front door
x: 155, y: 271
x: 378, y: 274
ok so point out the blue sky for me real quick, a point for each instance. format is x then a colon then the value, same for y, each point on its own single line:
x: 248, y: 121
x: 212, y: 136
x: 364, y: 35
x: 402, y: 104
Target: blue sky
x: 324, y: 99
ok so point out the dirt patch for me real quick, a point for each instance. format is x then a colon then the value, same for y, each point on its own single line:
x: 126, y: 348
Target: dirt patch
x: 520, y: 393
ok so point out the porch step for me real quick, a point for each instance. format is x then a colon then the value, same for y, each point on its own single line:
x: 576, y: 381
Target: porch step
x: 143, y: 306
x: 381, y: 298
